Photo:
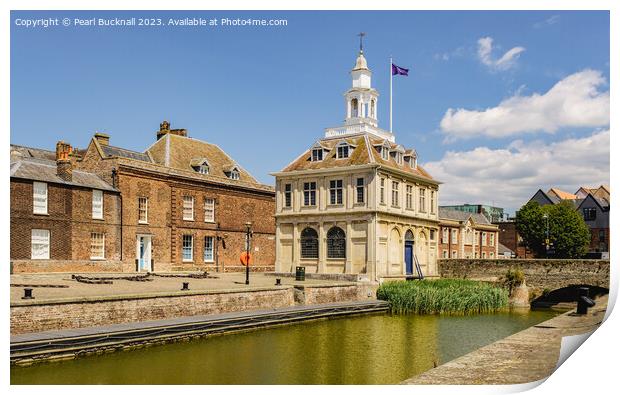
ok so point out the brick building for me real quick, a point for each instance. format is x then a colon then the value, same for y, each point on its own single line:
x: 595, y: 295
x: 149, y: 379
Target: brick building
x: 466, y: 235
x: 183, y: 204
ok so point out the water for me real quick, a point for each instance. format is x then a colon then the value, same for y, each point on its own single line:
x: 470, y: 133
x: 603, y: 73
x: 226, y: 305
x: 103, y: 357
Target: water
x: 371, y: 349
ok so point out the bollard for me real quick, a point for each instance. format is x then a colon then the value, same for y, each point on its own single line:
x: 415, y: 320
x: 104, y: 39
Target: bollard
x: 583, y: 300
x: 278, y: 281
x: 185, y: 287
x: 27, y: 293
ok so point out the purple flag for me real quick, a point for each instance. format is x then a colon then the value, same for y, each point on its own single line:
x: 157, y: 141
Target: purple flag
x: 399, y: 70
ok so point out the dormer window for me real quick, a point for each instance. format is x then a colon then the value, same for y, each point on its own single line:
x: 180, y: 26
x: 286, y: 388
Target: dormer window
x: 385, y: 153
x: 342, y: 151
x: 399, y: 158
x: 234, y: 174
x: 200, y: 165
x: 317, y: 154
x: 203, y: 169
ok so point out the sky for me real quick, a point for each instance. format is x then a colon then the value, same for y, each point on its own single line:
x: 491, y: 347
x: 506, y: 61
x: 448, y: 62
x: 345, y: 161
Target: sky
x: 497, y: 103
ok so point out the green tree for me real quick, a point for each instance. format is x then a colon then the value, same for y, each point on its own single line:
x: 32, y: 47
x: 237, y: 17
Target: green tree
x: 568, y: 233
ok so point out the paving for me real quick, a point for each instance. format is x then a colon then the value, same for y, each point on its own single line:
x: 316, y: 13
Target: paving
x: 44, y: 286
x: 524, y: 357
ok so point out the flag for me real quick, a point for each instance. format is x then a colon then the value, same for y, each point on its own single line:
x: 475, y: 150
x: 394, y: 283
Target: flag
x: 399, y: 70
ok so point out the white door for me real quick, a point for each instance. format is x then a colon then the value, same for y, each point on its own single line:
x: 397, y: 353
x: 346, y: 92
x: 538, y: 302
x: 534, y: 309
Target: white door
x: 143, y: 252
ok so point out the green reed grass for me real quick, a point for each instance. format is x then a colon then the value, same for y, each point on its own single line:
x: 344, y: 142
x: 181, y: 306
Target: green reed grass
x: 445, y: 296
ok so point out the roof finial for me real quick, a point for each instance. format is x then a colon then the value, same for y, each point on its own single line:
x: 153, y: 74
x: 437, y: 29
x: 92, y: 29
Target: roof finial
x: 361, y: 35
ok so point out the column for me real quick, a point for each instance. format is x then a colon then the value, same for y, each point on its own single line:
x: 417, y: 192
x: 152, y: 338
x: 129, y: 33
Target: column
x: 322, y: 248
x: 348, y: 264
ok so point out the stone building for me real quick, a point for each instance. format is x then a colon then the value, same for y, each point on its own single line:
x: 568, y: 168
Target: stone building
x: 183, y: 204
x: 466, y: 235
x: 356, y: 201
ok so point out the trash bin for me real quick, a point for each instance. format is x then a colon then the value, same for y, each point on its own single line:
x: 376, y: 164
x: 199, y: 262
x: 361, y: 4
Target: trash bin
x: 300, y: 273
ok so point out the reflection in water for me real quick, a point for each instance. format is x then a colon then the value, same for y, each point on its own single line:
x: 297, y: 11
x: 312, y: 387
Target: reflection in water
x: 377, y: 349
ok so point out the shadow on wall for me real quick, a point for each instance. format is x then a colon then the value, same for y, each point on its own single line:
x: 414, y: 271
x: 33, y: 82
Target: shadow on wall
x: 566, y: 295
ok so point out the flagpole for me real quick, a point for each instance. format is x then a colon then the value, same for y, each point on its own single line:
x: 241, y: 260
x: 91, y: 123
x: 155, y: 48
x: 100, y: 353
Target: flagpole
x: 391, y: 77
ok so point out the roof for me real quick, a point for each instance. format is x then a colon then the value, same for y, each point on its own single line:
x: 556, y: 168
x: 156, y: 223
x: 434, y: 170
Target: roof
x: 462, y: 216
x: 180, y: 152
x: 111, y: 151
x: 360, y: 62
x: 19, y: 152
x: 501, y: 249
x: 563, y: 195
x: 45, y: 170
x: 364, y: 153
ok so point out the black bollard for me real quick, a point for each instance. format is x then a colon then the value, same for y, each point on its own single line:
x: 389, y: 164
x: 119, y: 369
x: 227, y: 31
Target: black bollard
x: 185, y: 287
x: 278, y: 281
x: 583, y: 300
x: 27, y: 293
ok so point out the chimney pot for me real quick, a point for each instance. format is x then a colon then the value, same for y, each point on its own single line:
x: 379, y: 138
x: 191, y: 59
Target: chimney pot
x: 64, y: 167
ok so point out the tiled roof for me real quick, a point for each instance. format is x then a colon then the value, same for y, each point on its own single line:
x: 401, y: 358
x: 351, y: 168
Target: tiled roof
x: 111, y: 151
x: 19, y: 152
x: 462, y: 216
x: 45, y: 170
x: 563, y: 195
x: 180, y: 152
x: 501, y: 249
x: 363, y: 153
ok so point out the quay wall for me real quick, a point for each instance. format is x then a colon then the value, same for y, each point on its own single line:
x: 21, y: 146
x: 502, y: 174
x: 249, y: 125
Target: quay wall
x: 37, y: 316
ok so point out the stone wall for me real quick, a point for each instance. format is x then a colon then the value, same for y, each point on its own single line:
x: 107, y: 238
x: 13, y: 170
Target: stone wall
x: 63, y: 266
x: 36, y: 316
x: 540, y: 274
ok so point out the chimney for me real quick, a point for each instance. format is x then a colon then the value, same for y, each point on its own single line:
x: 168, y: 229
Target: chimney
x: 102, y: 138
x: 64, y: 167
x: 164, y: 129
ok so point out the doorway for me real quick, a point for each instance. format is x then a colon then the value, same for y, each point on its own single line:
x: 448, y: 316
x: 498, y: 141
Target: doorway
x: 409, y: 253
x: 143, y: 253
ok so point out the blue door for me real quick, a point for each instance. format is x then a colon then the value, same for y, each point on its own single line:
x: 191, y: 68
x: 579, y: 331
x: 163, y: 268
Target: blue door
x: 409, y: 257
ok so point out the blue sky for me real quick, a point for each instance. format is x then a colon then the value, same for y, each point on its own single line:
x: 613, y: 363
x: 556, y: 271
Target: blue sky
x: 264, y: 94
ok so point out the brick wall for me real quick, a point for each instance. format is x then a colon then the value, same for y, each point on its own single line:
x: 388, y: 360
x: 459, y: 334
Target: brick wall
x: 539, y: 273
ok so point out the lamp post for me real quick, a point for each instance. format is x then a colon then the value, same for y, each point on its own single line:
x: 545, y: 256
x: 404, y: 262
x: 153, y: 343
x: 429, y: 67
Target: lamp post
x: 546, y: 217
x: 248, y: 236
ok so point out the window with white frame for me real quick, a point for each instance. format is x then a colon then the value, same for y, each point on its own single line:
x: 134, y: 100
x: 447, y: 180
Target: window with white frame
x: 445, y: 254
x: 188, y: 248
x: 97, y: 246
x: 491, y: 255
x: 203, y: 169
x: 188, y: 208
x: 208, y: 251
x: 484, y: 255
x: 288, y: 195
x: 385, y: 153
x: 317, y: 154
x: 143, y: 210
x: 310, y: 193
x: 492, y: 239
x: 382, y: 191
x: 454, y: 254
x: 422, y: 205
x: 484, y: 238
x: 335, y: 192
x: 444, y: 236
x: 209, y: 210
x: 342, y: 151
x: 395, y: 197
x: 97, y: 204
x: 409, y: 197
x: 359, y: 189
x: 234, y: 174
x: 432, y: 202
x: 40, y: 244
x: 39, y: 198
x: 454, y: 236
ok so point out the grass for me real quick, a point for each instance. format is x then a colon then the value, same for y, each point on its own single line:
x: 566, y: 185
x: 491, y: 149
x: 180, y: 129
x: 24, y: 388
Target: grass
x: 445, y: 296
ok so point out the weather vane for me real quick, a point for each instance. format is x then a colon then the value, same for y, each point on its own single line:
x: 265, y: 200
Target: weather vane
x: 362, y: 34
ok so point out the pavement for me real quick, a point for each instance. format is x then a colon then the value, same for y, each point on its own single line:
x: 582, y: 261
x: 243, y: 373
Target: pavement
x: 120, y: 286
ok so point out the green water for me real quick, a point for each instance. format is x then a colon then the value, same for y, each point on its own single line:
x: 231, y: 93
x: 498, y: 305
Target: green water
x: 375, y: 349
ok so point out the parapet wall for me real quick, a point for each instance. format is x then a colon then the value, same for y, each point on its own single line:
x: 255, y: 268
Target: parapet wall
x: 539, y: 274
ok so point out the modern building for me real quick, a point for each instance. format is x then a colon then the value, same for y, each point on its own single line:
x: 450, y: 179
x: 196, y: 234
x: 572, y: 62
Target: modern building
x: 182, y: 204
x: 493, y: 214
x: 356, y: 201
x: 466, y: 235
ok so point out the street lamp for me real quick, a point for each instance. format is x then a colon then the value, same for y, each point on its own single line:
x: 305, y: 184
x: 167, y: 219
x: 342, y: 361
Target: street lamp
x: 248, y: 236
x: 546, y: 217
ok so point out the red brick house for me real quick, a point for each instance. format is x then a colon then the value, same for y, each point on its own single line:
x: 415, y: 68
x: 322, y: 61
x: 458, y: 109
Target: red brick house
x: 466, y: 235
x: 183, y: 204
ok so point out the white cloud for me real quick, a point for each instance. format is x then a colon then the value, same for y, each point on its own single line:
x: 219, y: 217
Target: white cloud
x: 507, y: 61
x: 552, y: 20
x: 509, y: 177
x: 574, y: 101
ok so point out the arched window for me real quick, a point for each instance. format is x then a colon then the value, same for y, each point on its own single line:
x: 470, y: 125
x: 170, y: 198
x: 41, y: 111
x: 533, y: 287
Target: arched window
x: 409, y: 235
x: 354, y: 108
x: 336, y: 243
x: 309, y: 243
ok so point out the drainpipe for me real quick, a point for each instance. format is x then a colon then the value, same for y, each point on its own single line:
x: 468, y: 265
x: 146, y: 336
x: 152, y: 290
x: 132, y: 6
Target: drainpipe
x: 120, y: 199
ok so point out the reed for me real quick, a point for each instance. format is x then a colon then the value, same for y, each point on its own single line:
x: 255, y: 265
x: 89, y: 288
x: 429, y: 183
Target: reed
x: 445, y: 296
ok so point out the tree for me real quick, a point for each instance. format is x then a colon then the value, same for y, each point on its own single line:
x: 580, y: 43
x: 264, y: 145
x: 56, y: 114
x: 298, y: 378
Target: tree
x: 568, y: 232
